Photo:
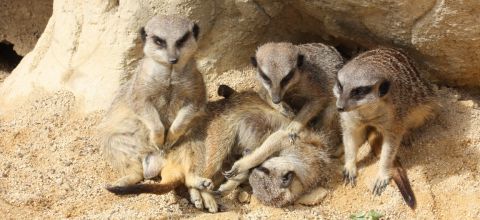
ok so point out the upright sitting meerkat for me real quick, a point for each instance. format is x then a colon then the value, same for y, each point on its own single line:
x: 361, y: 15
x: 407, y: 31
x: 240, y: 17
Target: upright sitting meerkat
x: 158, y: 105
x: 380, y: 91
x: 297, y: 79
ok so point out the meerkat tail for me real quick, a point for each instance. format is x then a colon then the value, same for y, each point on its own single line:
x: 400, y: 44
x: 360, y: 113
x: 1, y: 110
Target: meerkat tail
x: 401, y: 179
x: 142, y: 188
x: 399, y: 175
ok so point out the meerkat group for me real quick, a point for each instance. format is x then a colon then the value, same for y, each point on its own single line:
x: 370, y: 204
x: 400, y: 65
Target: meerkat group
x: 280, y: 139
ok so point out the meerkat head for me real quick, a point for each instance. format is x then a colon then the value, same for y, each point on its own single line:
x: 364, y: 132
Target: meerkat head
x: 169, y: 39
x: 359, y: 85
x: 278, y: 68
x: 277, y: 181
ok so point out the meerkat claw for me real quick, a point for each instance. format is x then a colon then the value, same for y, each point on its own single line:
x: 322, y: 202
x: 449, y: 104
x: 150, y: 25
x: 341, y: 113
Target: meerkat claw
x: 292, y: 137
x: 349, y: 178
x: 230, y: 174
x: 380, y: 186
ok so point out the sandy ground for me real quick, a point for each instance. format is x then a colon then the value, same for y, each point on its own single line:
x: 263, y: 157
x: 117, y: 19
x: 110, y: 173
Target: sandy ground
x: 51, y: 167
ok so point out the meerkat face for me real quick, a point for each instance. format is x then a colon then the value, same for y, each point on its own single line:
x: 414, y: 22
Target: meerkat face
x: 276, y: 182
x: 357, y: 88
x: 170, y: 40
x: 278, y: 68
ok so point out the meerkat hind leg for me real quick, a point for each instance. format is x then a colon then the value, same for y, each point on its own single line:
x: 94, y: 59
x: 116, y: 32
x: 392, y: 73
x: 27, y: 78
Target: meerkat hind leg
x: 209, y: 202
x: 197, y: 182
x: 196, y: 198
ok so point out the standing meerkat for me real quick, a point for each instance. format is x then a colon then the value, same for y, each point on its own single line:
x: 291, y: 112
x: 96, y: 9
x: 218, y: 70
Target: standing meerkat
x: 380, y: 91
x: 156, y: 107
x: 297, y: 79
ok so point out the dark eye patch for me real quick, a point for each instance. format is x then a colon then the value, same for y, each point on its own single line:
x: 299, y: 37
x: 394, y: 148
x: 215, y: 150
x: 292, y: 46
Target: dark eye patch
x: 340, y: 87
x: 182, y: 40
x: 287, y: 179
x: 264, y: 77
x: 159, y: 41
x: 264, y: 170
x: 360, y: 92
x: 287, y: 78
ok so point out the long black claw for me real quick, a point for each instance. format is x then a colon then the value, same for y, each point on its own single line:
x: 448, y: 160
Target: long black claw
x: 217, y: 193
x: 380, y: 186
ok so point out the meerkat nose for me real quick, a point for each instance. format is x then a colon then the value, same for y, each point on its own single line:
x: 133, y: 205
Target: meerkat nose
x: 341, y: 109
x: 173, y: 61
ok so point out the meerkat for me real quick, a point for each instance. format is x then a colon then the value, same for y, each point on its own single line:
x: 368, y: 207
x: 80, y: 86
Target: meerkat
x: 296, y: 79
x: 236, y: 123
x: 380, y: 91
x: 159, y: 104
x: 296, y: 169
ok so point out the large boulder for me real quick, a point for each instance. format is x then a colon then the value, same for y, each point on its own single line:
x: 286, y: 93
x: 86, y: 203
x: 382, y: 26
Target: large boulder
x: 89, y: 47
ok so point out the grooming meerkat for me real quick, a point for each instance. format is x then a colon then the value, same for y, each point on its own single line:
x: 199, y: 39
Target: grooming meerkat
x: 297, y: 79
x: 380, y: 91
x: 236, y: 123
x: 158, y: 105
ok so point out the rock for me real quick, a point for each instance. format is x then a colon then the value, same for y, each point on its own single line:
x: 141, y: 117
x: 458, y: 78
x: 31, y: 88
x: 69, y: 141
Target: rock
x: 90, y: 47
x: 22, y: 22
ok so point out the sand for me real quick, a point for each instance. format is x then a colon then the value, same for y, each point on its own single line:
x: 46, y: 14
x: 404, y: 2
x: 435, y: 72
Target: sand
x: 51, y: 167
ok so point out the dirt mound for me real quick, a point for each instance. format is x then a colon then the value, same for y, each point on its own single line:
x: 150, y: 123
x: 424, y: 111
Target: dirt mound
x: 51, y: 167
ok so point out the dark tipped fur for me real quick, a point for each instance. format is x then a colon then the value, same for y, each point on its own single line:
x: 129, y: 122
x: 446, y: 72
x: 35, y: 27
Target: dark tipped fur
x: 142, y: 188
x: 196, y: 31
x: 225, y: 91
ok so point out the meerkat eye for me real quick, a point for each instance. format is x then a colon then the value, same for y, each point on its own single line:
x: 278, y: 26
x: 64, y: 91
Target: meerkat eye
x: 360, y: 92
x: 263, y: 169
x: 287, y: 179
x: 339, y: 86
x: 287, y: 78
x: 264, y: 77
x: 159, y: 41
x: 182, y: 40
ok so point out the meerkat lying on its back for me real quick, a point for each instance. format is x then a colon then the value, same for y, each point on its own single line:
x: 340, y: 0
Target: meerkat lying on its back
x: 159, y: 104
x: 297, y: 79
x: 380, y: 91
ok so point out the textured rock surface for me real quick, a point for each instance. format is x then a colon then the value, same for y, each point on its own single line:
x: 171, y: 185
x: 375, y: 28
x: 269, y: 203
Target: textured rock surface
x: 89, y: 46
x: 22, y: 22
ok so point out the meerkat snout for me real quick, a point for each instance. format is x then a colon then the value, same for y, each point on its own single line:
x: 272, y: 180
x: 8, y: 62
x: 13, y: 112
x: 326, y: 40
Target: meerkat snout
x: 170, y: 47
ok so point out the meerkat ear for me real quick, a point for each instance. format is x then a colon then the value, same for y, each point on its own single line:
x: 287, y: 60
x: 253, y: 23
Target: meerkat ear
x: 300, y: 59
x: 195, y: 31
x: 253, y: 60
x: 384, y: 88
x: 143, y: 34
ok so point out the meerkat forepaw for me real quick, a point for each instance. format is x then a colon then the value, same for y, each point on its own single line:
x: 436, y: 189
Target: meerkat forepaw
x: 286, y: 111
x: 205, y: 184
x: 230, y: 173
x: 350, y: 176
x: 292, y: 137
x: 381, y: 184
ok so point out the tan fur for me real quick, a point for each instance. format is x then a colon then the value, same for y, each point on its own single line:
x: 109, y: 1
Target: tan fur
x: 397, y: 101
x: 158, y: 105
x: 232, y: 128
x: 308, y: 91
